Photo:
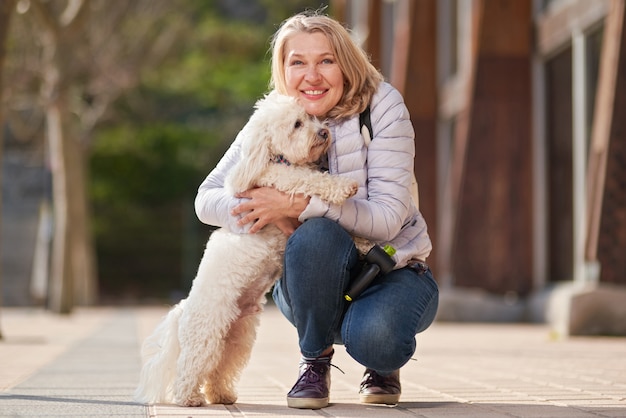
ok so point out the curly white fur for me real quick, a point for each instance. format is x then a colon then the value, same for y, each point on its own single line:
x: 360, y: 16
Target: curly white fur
x: 196, y: 354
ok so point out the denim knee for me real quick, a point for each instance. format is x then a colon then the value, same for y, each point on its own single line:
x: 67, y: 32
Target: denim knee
x: 315, y: 236
x: 378, y: 346
x: 379, y: 328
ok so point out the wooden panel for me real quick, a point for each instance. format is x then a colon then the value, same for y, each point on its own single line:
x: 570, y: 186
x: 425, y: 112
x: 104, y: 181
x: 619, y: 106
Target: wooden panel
x: 508, y: 30
x: 420, y: 93
x: 493, y: 239
x: 607, y: 166
x: 374, y: 38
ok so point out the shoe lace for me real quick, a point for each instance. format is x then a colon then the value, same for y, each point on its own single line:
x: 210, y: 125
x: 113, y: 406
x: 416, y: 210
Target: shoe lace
x: 373, y: 379
x: 313, y: 370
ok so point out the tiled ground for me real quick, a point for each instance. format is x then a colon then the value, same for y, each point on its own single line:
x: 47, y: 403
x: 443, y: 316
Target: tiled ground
x: 87, y: 365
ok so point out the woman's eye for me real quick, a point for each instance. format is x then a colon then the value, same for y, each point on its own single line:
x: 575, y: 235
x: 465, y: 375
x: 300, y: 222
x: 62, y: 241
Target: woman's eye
x: 327, y: 61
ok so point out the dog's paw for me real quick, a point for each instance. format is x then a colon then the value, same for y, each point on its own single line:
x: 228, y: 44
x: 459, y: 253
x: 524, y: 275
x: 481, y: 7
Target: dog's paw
x: 351, y: 189
x: 344, y: 188
x: 193, y: 401
x: 347, y: 186
x: 224, y: 398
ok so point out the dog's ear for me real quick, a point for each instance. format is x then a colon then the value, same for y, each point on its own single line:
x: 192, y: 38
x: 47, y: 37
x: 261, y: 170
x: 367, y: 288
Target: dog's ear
x: 255, y: 157
x: 256, y: 147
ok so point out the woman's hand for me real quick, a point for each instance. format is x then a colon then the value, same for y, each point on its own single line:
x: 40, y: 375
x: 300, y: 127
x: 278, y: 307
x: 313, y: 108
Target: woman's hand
x: 269, y: 206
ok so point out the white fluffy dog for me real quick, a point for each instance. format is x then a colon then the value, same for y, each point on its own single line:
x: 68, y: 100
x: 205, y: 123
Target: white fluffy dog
x: 196, y: 354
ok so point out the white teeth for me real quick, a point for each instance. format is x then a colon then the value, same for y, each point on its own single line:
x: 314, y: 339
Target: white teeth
x: 314, y: 91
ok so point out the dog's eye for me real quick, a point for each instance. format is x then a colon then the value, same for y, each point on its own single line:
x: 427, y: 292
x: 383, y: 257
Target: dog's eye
x: 298, y: 124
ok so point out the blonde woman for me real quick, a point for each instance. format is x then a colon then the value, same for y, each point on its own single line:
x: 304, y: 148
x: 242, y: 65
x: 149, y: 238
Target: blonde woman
x: 315, y: 59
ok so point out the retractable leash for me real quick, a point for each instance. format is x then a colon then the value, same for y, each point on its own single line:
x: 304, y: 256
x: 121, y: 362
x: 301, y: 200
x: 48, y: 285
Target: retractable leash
x: 378, y: 260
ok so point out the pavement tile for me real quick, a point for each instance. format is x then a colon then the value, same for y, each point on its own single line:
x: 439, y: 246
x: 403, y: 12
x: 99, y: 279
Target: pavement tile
x: 87, y: 364
x: 540, y: 411
x: 101, y: 358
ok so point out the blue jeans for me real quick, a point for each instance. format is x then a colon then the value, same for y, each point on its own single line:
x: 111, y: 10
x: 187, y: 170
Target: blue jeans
x: 378, y: 328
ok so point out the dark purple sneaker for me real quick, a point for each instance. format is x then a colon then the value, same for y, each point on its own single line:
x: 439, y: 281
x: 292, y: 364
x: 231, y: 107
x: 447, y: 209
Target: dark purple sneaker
x: 380, y: 389
x: 311, y: 389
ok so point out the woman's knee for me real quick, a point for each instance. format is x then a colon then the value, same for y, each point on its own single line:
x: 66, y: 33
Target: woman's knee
x: 318, y: 230
x: 378, y: 347
x: 317, y: 239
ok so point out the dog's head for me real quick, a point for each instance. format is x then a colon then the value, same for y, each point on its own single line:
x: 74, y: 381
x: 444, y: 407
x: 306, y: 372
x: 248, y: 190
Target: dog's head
x: 278, y: 130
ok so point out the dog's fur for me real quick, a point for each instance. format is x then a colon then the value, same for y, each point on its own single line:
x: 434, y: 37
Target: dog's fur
x: 196, y: 354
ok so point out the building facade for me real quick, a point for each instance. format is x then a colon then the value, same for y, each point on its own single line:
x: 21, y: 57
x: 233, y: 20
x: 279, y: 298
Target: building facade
x: 519, y: 110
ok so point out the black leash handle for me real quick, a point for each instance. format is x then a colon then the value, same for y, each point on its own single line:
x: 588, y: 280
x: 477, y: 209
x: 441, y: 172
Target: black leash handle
x: 378, y: 259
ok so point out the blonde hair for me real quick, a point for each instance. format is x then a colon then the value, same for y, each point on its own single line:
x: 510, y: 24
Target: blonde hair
x: 361, y: 78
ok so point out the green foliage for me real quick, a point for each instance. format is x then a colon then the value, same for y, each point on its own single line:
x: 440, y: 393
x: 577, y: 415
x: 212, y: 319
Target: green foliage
x: 143, y: 180
x: 149, y: 166
x: 224, y: 65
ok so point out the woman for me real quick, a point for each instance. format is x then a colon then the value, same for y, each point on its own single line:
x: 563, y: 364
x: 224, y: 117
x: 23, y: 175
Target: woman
x: 315, y: 60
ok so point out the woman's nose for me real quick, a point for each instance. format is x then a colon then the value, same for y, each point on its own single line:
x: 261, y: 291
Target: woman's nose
x: 312, y: 74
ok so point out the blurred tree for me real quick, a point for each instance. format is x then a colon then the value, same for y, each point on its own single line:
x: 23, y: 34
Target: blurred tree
x: 6, y: 10
x: 85, y: 53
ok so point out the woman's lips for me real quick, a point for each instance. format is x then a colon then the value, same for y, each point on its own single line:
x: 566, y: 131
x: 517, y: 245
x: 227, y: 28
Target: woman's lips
x: 314, y: 93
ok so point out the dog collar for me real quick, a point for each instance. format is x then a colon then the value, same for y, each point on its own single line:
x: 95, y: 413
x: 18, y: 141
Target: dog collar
x: 279, y: 159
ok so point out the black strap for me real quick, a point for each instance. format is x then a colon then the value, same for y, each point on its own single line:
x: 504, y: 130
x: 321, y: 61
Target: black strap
x: 366, y: 120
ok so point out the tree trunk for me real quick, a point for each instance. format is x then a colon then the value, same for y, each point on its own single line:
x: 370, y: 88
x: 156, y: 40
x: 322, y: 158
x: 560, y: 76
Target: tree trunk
x: 72, y: 274
x: 82, y: 250
x: 72, y: 279
x: 61, y: 296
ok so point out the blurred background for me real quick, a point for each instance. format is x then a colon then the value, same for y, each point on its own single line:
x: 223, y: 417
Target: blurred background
x: 113, y: 113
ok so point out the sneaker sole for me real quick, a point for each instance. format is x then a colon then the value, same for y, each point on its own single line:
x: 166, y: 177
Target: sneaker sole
x: 387, y: 399
x: 307, y: 403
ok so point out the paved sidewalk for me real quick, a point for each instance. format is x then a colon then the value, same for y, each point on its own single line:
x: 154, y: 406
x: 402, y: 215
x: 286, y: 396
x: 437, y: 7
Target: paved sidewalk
x: 87, y: 364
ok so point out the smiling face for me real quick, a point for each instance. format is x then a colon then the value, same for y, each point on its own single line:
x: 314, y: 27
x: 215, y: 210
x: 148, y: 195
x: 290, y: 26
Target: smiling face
x: 312, y: 73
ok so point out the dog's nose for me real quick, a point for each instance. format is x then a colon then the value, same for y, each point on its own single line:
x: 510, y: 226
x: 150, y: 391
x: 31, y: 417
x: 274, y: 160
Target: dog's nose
x: 323, y: 133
